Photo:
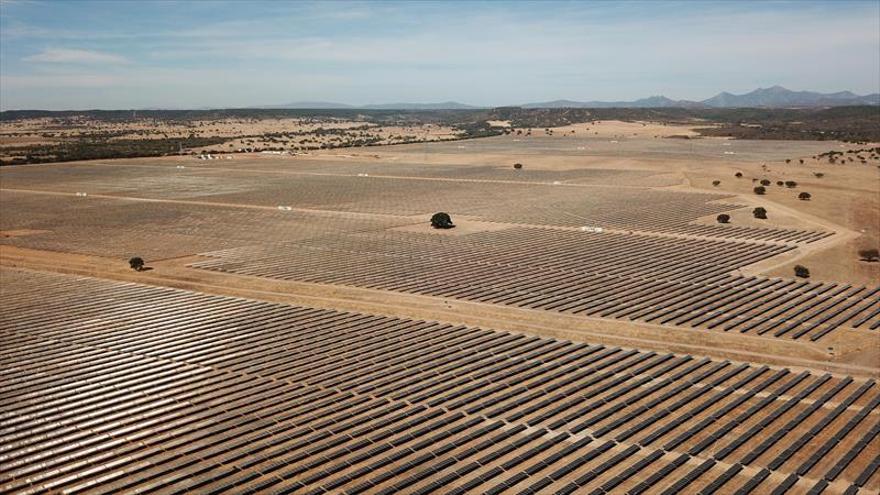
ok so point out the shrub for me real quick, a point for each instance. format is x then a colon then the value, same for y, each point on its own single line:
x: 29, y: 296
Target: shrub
x: 818, y: 175
x: 738, y: 175
x: 760, y: 212
x: 136, y: 263
x: 790, y: 184
x: 804, y: 196
x: 870, y: 255
x: 760, y: 190
x: 801, y: 271
x: 441, y: 220
x: 716, y: 183
x: 765, y: 182
x: 780, y: 183
x: 517, y: 166
x: 723, y: 218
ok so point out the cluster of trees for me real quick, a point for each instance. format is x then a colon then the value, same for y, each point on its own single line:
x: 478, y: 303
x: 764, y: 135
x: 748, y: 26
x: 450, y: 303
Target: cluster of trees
x: 106, y: 149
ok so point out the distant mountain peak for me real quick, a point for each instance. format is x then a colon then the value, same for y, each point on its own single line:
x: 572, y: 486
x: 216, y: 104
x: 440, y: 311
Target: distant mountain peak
x: 780, y: 97
x: 775, y: 96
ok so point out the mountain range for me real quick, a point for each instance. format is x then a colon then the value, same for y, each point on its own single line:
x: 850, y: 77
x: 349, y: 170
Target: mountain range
x: 773, y: 97
x: 324, y: 105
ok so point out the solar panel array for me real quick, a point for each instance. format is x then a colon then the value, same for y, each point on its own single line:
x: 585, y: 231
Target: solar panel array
x: 115, y: 387
x: 685, y: 282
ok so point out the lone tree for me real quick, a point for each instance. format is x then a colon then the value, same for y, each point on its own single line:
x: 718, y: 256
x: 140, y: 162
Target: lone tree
x: 716, y: 183
x: 765, y: 182
x: 790, y: 184
x: 760, y: 212
x: 801, y: 271
x: 723, y: 218
x: 517, y: 166
x: 818, y: 175
x: 738, y: 175
x: 870, y: 255
x: 441, y: 220
x: 804, y: 196
x: 136, y: 263
x: 779, y: 183
x: 760, y: 190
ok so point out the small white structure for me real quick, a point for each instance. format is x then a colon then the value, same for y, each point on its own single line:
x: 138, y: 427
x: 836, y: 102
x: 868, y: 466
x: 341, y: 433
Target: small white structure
x: 363, y: 175
x: 594, y: 230
x: 285, y: 208
x: 81, y: 194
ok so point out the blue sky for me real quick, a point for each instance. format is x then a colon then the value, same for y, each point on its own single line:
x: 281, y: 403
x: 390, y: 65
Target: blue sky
x: 191, y: 54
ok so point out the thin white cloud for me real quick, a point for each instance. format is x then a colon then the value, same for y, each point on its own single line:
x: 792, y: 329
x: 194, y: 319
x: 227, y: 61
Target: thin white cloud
x: 75, y: 56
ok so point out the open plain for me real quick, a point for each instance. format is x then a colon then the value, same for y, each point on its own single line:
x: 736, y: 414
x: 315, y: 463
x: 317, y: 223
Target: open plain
x: 588, y: 326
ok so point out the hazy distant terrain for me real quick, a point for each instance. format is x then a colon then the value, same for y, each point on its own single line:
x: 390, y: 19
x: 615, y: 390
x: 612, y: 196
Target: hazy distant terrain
x: 774, y: 97
x: 41, y: 136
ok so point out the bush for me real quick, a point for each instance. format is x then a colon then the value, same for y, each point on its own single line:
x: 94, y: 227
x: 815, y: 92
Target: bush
x: 804, y: 196
x: 760, y: 190
x: 790, y: 184
x: 517, y: 166
x: 723, y: 218
x: 780, y: 183
x: 870, y: 255
x: 136, y: 263
x: 801, y: 271
x: 441, y: 220
x: 760, y: 212
x: 716, y: 183
x: 738, y: 175
x: 818, y: 175
x: 765, y: 182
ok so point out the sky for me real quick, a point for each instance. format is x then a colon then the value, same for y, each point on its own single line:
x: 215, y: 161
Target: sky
x: 222, y: 54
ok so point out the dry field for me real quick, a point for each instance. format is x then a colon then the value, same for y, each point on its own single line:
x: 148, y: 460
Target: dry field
x: 587, y: 327
x: 22, y: 137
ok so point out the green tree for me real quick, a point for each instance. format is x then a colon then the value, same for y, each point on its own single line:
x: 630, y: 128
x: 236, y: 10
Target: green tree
x: 136, y: 263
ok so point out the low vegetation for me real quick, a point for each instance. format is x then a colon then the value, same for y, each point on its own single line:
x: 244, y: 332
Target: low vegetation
x: 869, y: 255
x: 124, y: 134
x: 136, y: 263
x: 442, y: 220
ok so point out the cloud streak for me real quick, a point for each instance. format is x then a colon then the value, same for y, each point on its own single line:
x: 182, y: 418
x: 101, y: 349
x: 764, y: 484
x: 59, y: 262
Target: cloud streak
x: 75, y: 56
